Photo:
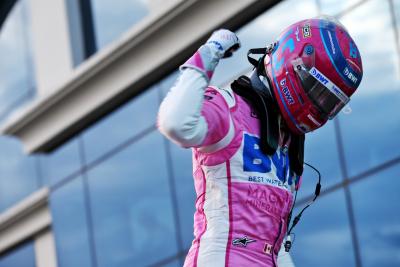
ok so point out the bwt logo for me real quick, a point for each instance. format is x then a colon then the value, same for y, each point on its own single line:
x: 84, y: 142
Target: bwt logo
x: 321, y: 78
x: 350, y: 75
x: 254, y: 160
x: 286, y: 92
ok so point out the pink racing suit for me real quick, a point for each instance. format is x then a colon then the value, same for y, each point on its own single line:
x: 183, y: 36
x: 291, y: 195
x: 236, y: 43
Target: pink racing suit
x: 243, y: 196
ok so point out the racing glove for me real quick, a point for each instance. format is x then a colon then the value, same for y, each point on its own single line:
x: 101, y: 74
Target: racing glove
x: 221, y: 44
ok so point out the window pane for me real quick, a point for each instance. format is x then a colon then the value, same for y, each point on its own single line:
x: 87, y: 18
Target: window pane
x: 186, y: 195
x: 18, y: 176
x: 166, y: 84
x: 131, y: 206
x: 322, y: 153
x: 61, y: 163
x: 175, y: 263
x: 323, y: 235
x: 70, y: 225
x: 262, y: 31
x: 121, y: 125
x: 370, y: 132
x: 16, y: 68
x: 112, y: 18
x: 396, y: 5
x: 334, y: 7
x: 378, y: 220
x: 21, y: 256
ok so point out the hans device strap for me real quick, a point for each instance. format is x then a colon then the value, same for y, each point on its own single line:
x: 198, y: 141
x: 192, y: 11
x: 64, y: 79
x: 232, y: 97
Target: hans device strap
x: 269, y: 128
x: 267, y: 112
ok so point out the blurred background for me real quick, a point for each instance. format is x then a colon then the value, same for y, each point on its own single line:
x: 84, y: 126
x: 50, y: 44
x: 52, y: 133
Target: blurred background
x: 87, y: 180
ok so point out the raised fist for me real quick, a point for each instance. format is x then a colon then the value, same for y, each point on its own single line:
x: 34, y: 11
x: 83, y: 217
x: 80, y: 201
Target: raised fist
x: 225, y: 41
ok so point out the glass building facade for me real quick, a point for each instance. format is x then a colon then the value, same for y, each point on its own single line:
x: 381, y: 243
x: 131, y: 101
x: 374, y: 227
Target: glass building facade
x: 122, y: 195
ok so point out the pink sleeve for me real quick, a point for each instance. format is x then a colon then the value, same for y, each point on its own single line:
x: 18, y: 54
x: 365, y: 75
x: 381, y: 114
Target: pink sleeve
x: 215, y: 110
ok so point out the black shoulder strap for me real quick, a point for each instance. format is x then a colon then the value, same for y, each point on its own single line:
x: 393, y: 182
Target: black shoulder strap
x: 269, y: 128
x: 296, y: 153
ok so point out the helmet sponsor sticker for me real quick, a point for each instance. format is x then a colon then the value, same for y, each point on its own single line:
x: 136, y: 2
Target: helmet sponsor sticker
x: 306, y: 30
x: 286, y: 92
x: 329, y: 85
x: 350, y: 75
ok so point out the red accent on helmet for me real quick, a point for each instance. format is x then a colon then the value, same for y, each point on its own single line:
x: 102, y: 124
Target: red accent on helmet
x: 314, y: 69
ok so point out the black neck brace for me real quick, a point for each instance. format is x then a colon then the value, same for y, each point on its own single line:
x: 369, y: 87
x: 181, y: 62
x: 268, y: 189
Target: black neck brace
x: 262, y: 100
x: 256, y: 93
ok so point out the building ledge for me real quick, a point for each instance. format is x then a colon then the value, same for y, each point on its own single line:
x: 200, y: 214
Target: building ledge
x: 142, y: 56
x: 25, y: 219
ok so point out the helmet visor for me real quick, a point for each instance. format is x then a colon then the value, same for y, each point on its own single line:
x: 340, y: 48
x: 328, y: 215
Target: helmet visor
x: 328, y: 98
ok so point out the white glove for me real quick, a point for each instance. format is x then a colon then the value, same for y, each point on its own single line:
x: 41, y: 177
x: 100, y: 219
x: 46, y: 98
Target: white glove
x: 225, y: 41
x: 221, y: 44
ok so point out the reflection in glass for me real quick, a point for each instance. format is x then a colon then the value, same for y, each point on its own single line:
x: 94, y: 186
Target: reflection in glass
x: 378, y: 222
x: 112, y: 18
x: 335, y: 7
x: 131, y: 206
x: 323, y: 236
x: 21, y: 256
x: 322, y: 153
x: 175, y: 263
x: 18, y: 176
x: 124, y: 123
x: 169, y: 81
x: 396, y: 10
x: 16, y: 74
x: 370, y: 132
x: 61, y: 163
x: 186, y: 196
x: 70, y: 225
x: 262, y: 31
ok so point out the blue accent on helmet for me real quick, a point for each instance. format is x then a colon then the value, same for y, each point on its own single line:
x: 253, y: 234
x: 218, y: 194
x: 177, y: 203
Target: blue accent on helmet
x: 351, y: 77
x: 288, y: 44
x: 353, y: 50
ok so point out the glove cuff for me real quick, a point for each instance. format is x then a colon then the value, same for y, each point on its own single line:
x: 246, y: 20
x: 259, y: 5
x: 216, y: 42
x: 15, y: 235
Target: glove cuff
x: 204, y: 60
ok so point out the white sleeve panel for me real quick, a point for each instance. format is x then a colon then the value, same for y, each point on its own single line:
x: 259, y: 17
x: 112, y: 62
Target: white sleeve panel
x: 179, y: 116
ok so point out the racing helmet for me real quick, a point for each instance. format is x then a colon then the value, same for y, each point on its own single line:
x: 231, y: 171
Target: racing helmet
x: 314, y: 67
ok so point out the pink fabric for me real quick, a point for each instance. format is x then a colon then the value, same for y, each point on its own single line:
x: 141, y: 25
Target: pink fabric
x: 200, y: 220
x: 252, y: 209
x: 228, y: 247
x: 196, y: 62
x: 218, y: 121
x: 216, y: 112
x: 257, y: 212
